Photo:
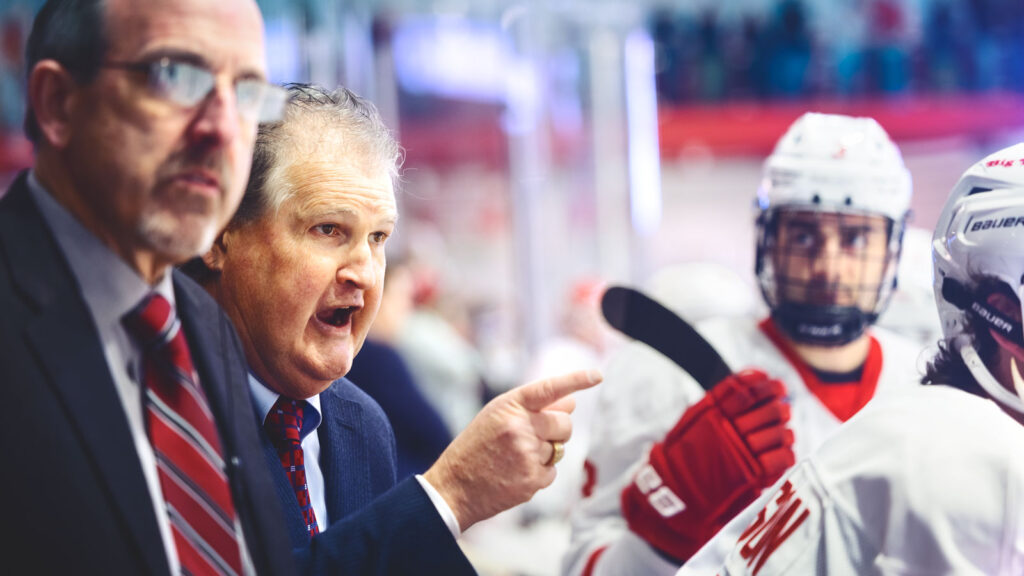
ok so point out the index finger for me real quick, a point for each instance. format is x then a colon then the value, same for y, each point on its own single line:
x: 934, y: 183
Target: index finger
x: 539, y: 394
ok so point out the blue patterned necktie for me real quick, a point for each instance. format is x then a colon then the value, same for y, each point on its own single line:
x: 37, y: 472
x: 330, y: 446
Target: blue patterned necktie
x: 284, y: 426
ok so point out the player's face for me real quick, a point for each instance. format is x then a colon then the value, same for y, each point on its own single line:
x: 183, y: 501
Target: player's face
x: 156, y: 180
x: 831, y: 259
x: 303, y: 284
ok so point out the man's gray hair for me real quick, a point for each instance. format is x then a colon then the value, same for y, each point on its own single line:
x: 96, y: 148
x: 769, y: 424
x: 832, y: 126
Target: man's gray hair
x: 348, y: 124
x: 315, y: 118
x: 72, y: 32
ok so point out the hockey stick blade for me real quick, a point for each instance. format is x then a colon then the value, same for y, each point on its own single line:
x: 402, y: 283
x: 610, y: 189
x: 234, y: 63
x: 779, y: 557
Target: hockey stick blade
x: 644, y: 319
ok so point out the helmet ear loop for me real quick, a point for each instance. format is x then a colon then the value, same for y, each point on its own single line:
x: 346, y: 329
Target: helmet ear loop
x: 1020, y: 298
x: 984, y: 378
x: 1005, y: 332
x: 1013, y: 340
x: 1016, y: 357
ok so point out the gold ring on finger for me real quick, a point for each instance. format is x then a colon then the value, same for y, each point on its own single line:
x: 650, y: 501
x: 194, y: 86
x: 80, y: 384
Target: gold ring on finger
x: 557, y: 451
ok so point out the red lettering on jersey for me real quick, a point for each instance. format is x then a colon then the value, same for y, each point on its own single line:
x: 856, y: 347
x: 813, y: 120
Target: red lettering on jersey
x: 590, y: 478
x: 1003, y: 163
x: 764, y: 536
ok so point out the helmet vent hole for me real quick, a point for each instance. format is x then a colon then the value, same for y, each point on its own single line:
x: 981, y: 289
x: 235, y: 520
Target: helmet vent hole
x: 848, y: 201
x: 816, y: 199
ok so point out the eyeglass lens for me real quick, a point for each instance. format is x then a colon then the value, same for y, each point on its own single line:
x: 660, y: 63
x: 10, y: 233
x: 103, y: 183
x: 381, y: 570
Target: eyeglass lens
x: 187, y: 84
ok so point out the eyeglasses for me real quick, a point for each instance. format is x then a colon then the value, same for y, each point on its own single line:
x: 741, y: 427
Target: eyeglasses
x: 187, y: 84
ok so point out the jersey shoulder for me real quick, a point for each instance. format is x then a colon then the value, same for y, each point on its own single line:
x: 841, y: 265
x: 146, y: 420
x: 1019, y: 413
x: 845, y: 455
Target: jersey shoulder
x: 933, y: 476
x: 925, y: 481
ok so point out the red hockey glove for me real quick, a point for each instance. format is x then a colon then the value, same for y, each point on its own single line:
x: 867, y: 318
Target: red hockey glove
x: 720, y: 455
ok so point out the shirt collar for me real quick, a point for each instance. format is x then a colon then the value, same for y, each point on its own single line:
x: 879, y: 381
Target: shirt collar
x: 263, y: 399
x: 110, y: 286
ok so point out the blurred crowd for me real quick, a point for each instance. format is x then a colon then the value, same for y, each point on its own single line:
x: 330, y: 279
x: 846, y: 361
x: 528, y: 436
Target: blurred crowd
x: 852, y: 48
x: 441, y: 375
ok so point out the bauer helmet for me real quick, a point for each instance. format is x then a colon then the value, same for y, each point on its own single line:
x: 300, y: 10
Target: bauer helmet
x: 979, y: 237
x: 833, y: 202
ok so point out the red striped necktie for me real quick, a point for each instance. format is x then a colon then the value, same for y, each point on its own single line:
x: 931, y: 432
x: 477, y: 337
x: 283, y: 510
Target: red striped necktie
x: 189, y: 457
x: 284, y: 426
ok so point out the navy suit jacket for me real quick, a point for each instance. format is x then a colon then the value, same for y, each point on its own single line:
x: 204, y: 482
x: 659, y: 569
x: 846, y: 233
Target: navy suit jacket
x: 420, y: 433
x: 398, y: 527
x: 74, y: 498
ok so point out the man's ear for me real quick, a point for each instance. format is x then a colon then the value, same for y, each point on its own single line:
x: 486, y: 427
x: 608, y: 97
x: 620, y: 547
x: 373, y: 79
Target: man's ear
x: 51, y: 97
x: 214, y: 257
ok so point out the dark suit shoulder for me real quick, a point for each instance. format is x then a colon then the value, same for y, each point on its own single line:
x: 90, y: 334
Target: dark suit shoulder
x: 399, y: 533
x: 16, y: 194
x: 344, y: 389
x: 187, y: 287
x: 358, y: 402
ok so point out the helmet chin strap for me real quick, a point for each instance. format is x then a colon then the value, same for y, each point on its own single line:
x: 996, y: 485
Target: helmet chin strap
x: 986, y: 380
x: 821, y: 325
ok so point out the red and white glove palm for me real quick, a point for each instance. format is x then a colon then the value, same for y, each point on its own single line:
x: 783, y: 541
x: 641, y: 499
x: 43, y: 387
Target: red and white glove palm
x: 715, y: 461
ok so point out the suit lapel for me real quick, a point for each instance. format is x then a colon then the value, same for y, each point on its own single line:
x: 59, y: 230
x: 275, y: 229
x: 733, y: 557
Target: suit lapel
x: 209, y: 343
x: 344, y: 454
x: 67, y: 344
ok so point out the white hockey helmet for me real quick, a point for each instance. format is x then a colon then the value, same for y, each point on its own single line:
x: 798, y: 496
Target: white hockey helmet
x: 830, y: 163
x: 980, y: 235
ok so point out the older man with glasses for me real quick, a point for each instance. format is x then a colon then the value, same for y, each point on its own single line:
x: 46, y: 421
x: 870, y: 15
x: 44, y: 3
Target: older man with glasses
x: 129, y: 439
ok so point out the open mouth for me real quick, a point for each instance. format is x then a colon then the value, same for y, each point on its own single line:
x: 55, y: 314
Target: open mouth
x: 336, y: 317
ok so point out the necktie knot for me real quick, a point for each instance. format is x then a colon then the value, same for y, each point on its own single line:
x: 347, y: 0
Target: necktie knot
x: 152, y: 321
x: 284, y: 423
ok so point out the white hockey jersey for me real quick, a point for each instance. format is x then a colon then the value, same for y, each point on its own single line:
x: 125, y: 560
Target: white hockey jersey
x: 644, y: 394
x: 930, y: 481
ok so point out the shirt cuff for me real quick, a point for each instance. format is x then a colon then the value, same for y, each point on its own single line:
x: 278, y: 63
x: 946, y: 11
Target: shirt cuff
x: 442, y: 507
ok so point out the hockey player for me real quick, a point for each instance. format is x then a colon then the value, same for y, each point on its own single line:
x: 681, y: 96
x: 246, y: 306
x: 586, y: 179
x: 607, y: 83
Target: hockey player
x: 669, y: 465
x: 931, y: 480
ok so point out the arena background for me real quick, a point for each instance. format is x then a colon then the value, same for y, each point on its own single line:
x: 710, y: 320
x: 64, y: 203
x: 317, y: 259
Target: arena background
x: 551, y: 144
